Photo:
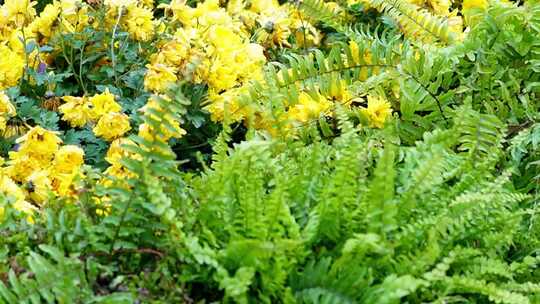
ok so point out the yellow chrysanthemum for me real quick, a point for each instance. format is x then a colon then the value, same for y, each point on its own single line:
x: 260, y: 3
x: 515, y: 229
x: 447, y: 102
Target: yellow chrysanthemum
x: 69, y: 158
x: 112, y: 125
x: 21, y: 165
x: 78, y: 111
x: 226, y: 104
x: 339, y: 91
x: 39, y: 142
x: 44, y: 23
x: 11, y: 67
x: 19, y: 11
x: 139, y: 23
x: 377, y: 111
x: 104, y: 103
x: 63, y: 183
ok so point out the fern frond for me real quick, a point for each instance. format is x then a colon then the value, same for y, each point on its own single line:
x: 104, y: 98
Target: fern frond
x: 415, y: 23
x: 323, y: 281
x: 317, y: 73
x: 481, y: 134
x: 379, y: 199
x: 57, y: 279
x: 495, y: 293
x: 318, y: 10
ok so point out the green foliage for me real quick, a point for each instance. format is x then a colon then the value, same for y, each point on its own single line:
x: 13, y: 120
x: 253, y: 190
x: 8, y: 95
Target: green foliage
x: 438, y: 206
x: 58, y: 279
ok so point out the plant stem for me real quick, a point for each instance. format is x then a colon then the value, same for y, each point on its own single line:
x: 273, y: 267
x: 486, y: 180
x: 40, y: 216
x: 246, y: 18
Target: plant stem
x: 113, y: 57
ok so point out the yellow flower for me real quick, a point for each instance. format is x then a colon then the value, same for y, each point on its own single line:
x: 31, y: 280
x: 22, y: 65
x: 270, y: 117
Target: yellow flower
x: 77, y: 111
x: 440, y: 7
x: 148, y: 3
x: 223, y: 74
x: 44, y: 23
x: 40, y: 142
x: 19, y: 11
x: 69, y: 158
x: 174, y: 53
x: 355, y: 52
x: 112, y: 125
x: 104, y: 103
x: 63, y: 183
x: 159, y: 77
x: 455, y: 25
x: 275, y: 30
x: 21, y: 165
x: 308, y: 108
x: 139, y: 23
x: 74, y: 15
x: 377, y: 111
x: 11, y: 67
x: 38, y: 186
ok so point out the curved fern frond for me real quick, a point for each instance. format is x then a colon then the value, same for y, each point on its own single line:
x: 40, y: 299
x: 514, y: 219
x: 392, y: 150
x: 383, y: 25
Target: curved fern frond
x: 318, y: 10
x: 415, y: 23
x: 493, y: 292
x: 317, y: 73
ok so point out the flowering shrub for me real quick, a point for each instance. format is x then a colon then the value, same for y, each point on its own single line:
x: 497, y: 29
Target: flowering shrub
x: 302, y: 151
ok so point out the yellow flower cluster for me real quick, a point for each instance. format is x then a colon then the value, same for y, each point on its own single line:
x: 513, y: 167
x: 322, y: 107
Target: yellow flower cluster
x: 40, y: 168
x: 103, y: 108
x: 19, y: 25
x: 210, y: 47
x: 213, y: 46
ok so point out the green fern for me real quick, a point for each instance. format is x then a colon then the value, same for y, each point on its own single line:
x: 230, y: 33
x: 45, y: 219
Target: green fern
x: 319, y: 11
x: 56, y: 280
x: 414, y: 22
